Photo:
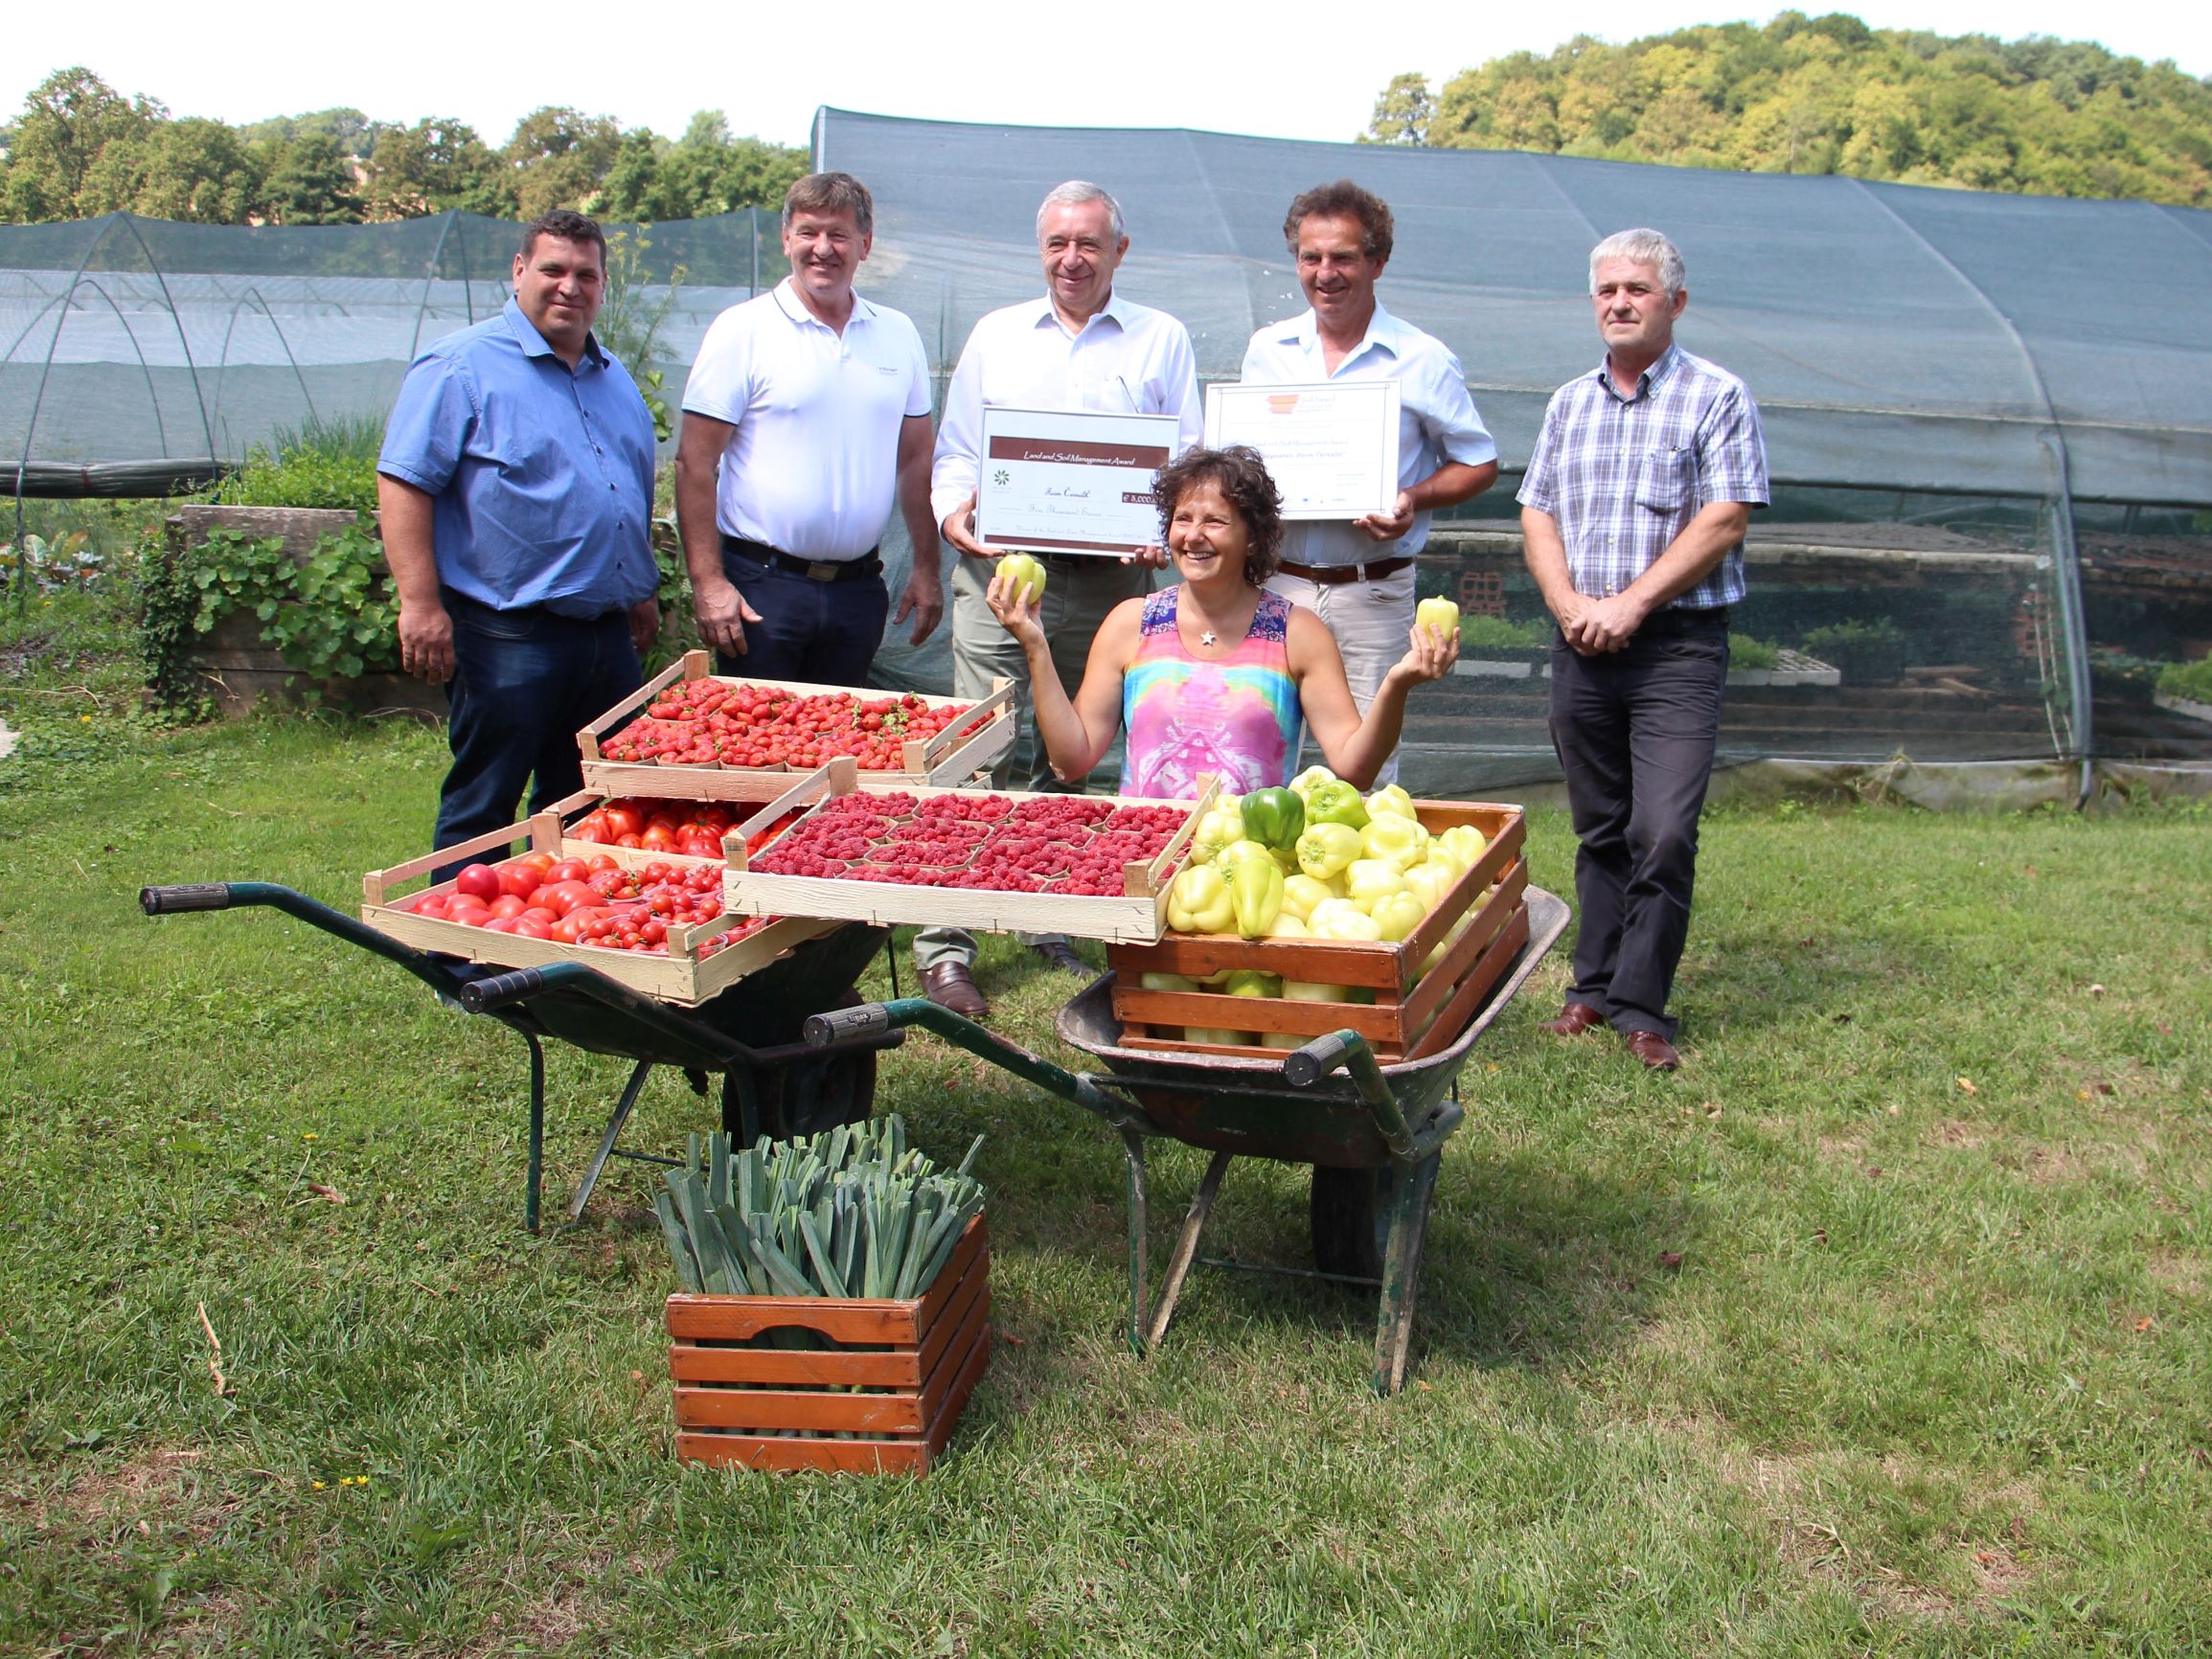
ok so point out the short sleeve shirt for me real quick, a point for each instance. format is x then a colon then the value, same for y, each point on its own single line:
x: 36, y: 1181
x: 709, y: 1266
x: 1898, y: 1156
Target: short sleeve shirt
x: 1437, y: 421
x: 1624, y: 476
x: 541, y: 474
x: 812, y: 464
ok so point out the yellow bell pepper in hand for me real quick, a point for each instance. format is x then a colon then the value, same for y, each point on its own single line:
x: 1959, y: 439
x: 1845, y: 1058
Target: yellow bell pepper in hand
x: 1199, y: 901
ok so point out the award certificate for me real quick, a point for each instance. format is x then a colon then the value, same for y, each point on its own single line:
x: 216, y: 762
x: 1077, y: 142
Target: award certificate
x: 1332, y: 449
x: 1063, y: 481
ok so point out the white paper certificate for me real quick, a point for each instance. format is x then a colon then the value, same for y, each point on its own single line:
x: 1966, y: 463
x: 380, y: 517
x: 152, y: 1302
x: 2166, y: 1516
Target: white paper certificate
x: 1332, y: 449
x: 1060, y: 480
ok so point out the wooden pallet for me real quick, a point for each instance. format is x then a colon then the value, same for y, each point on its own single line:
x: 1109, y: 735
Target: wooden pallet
x: 1139, y: 914
x: 893, y: 1375
x: 953, y: 756
x: 681, y: 976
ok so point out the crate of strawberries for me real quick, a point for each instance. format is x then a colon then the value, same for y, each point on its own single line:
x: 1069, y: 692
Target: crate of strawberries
x: 1091, y: 866
x: 650, y: 916
x: 692, y: 735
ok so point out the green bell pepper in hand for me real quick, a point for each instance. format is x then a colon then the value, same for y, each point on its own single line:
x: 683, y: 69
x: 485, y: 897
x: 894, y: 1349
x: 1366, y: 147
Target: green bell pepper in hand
x: 1255, y: 896
x: 1274, y: 818
x: 1199, y: 901
x: 1335, y: 803
x: 1326, y: 848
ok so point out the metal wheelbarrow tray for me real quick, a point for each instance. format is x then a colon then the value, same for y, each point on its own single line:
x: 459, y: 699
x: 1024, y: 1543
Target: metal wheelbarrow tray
x: 1372, y: 1132
x: 750, y: 1033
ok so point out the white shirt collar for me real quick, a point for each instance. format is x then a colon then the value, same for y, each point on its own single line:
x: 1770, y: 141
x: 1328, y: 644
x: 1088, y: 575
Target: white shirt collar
x: 1383, y: 330
x: 794, y: 307
x: 1115, y: 308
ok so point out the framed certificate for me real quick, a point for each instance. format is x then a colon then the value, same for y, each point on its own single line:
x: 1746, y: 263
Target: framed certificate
x: 1061, y: 481
x: 1332, y: 449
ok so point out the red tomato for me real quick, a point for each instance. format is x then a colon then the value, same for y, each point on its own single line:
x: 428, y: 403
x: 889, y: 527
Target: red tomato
x: 562, y: 897
x: 524, y: 928
x: 599, y: 861
x: 567, y: 870
x: 591, y: 826
x: 698, y: 843
x: 624, y: 819
x: 630, y: 838
x: 478, y: 881
x: 501, y: 925
x: 539, y: 913
x: 430, y: 904
x: 506, y: 904
x: 661, y: 837
x: 520, y: 878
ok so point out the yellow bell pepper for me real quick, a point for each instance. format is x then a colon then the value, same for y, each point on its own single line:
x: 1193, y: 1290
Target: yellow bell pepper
x: 1326, y: 848
x: 1306, y: 781
x: 1256, y: 894
x: 1466, y: 843
x: 1217, y: 1038
x: 1167, y: 982
x: 1222, y: 823
x: 1236, y: 852
x: 1429, y: 882
x: 1398, y: 842
x: 1341, y: 919
x: 1368, y: 880
x: 1390, y: 801
x: 1302, y: 990
x: 1398, y: 915
x: 1251, y: 982
x: 1199, y: 901
x: 1287, y: 926
x: 1301, y: 893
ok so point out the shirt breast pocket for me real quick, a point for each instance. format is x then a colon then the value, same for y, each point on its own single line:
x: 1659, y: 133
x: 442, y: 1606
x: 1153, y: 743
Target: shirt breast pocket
x: 1663, y: 480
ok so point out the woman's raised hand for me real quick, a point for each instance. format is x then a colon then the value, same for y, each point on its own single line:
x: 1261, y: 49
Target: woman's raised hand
x: 1433, y: 652
x: 1022, y: 620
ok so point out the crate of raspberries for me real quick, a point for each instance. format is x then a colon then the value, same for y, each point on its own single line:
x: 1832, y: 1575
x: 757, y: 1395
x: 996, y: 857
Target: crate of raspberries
x: 688, y: 733
x: 1091, y: 866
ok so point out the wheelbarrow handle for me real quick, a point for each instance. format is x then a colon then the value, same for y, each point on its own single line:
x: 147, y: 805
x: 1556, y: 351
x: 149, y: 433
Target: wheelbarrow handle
x: 1303, y: 1068
x: 190, y: 895
x: 847, y: 1024
x: 484, y: 995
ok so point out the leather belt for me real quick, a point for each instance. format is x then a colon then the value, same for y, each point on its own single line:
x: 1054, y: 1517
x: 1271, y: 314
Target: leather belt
x: 1338, y: 575
x: 1679, y: 620
x: 869, y: 563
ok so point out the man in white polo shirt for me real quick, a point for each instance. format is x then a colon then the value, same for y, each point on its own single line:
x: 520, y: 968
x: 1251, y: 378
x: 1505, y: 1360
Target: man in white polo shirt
x: 1080, y: 344
x: 1358, y: 576
x: 814, y: 404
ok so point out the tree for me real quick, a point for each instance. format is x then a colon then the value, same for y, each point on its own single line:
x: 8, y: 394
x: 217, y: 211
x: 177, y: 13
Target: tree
x: 68, y: 121
x: 433, y: 166
x: 557, y: 157
x: 1401, y: 113
x: 310, y: 181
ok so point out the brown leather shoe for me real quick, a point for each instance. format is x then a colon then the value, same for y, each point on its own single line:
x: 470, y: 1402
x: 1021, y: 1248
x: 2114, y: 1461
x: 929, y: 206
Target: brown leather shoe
x: 1574, y: 1019
x: 950, y: 985
x: 1655, y: 1051
x: 1060, y: 956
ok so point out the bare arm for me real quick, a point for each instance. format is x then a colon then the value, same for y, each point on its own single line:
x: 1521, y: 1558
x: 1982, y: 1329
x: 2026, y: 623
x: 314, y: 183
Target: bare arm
x: 1606, y: 625
x: 1449, y: 485
x: 1077, y: 733
x: 426, y: 631
x: 925, y: 597
x: 1355, y: 747
x: 721, y: 612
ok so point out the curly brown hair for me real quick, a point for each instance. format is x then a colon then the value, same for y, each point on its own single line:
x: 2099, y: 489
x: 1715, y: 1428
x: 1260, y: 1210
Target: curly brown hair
x: 1242, y: 477
x: 1346, y: 200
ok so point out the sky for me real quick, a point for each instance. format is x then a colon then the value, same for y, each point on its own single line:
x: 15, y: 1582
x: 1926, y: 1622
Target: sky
x: 1143, y: 63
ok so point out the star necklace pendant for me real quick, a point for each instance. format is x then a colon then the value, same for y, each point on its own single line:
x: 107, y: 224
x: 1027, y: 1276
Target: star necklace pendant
x: 1209, y: 638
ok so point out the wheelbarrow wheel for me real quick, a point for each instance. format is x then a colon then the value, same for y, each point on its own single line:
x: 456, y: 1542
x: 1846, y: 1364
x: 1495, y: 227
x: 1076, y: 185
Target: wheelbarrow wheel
x: 806, y: 1097
x: 1351, y: 1217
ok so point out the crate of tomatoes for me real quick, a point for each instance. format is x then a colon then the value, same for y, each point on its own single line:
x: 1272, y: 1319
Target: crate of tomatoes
x: 649, y: 916
x: 1091, y: 866
x: 690, y: 734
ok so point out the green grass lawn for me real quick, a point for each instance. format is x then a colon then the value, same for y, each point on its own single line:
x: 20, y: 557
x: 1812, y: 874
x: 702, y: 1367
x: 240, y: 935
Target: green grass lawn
x: 1879, y: 1328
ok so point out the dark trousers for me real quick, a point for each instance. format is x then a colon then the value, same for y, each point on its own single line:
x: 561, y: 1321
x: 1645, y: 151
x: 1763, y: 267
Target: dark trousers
x: 817, y: 633
x: 524, y: 682
x: 1635, y: 732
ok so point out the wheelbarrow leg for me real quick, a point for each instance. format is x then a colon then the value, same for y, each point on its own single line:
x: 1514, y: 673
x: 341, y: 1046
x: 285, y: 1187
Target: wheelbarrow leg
x: 741, y: 1106
x: 1401, y: 1272
x: 1133, y: 1148
x: 536, y: 1180
x: 622, y: 1110
x: 1187, y: 1247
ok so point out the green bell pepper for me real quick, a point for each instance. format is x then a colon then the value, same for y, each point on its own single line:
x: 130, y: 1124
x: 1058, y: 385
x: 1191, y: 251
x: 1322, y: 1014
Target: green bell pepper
x: 1335, y: 803
x: 1275, y: 818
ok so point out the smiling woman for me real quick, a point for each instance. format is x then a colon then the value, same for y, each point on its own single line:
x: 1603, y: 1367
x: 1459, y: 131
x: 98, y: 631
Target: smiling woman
x: 1215, y: 674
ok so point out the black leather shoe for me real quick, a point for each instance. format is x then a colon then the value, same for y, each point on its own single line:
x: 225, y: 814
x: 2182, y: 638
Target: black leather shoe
x: 1059, y: 955
x: 949, y: 985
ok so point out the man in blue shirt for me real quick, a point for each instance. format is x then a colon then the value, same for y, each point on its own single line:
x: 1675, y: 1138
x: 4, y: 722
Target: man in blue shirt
x: 515, y: 486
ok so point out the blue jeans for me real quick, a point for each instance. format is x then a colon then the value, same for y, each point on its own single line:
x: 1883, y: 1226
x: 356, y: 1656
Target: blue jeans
x: 524, y: 682
x: 816, y: 634
x: 1635, y: 732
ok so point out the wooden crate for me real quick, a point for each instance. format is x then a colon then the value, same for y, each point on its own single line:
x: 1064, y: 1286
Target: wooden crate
x: 1413, y: 1012
x: 953, y: 756
x: 895, y: 1376
x: 1139, y: 914
x: 681, y: 976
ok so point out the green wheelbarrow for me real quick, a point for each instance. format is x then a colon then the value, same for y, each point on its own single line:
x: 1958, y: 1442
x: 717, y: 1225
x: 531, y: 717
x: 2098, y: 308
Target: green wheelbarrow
x: 1374, y: 1133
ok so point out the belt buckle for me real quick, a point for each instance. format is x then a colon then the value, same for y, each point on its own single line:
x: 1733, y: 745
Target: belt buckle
x: 820, y: 571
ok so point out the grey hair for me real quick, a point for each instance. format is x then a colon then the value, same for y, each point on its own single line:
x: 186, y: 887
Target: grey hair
x: 1646, y: 247
x: 1074, y: 194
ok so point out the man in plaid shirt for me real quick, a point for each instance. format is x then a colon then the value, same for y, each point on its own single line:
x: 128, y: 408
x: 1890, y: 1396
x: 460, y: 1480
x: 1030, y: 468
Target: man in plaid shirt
x: 1633, y: 518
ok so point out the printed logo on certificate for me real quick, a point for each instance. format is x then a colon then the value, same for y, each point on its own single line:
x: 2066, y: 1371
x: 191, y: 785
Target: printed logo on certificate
x: 1063, y: 481
x: 1330, y: 447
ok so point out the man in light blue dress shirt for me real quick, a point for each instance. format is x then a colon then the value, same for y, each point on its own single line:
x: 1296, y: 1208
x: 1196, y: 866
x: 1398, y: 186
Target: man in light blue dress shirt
x: 515, y: 486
